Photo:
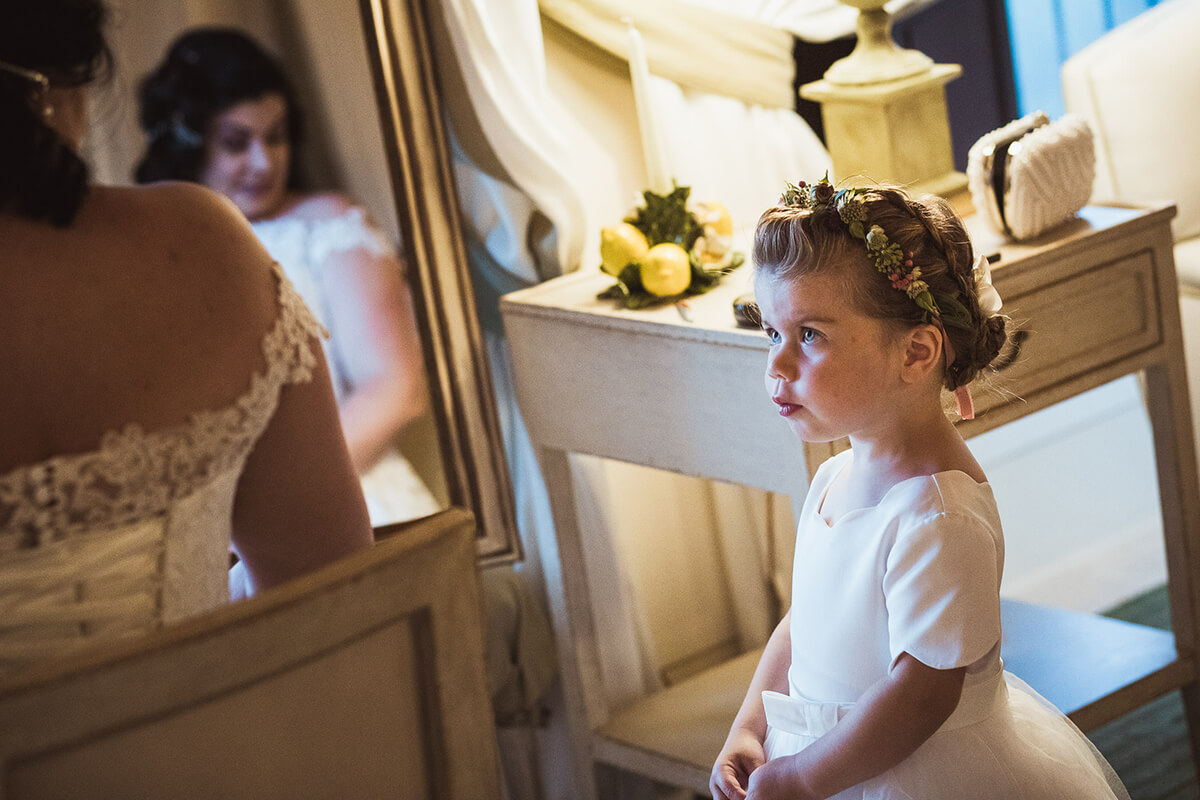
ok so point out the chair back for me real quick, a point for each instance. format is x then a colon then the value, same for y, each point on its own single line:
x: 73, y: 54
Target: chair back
x: 364, y: 679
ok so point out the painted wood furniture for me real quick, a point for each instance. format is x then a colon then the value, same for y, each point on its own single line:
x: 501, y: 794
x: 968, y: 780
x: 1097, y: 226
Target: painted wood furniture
x: 363, y: 679
x: 1093, y: 300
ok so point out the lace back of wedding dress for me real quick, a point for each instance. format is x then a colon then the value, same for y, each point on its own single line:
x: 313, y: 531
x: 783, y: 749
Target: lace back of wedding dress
x: 136, y: 533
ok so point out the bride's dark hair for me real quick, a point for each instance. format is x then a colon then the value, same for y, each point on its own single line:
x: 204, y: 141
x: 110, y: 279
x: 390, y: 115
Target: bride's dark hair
x: 205, y: 72
x: 41, y: 176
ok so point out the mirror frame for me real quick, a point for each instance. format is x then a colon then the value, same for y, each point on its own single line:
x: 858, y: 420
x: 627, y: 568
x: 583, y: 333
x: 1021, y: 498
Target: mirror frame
x: 461, y: 391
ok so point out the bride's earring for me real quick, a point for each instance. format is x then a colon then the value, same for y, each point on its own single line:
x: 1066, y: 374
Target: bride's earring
x: 41, y: 97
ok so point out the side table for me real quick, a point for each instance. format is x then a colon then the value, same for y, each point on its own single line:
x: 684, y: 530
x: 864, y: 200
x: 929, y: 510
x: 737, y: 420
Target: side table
x: 1093, y: 300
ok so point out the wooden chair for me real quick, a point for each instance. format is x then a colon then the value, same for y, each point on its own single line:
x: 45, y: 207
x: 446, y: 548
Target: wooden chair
x: 362, y: 680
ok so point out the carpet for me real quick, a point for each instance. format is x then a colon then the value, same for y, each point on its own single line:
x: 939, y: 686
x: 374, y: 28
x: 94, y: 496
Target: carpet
x: 1149, y: 746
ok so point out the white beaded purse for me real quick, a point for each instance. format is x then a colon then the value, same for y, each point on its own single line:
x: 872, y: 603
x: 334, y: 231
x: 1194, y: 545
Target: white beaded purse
x: 1032, y: 174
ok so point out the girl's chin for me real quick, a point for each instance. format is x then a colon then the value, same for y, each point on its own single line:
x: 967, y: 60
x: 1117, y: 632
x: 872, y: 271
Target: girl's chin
x: 810, y: 434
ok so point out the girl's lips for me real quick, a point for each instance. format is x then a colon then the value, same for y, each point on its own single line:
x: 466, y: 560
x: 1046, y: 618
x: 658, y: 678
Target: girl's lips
x: 786, y: 409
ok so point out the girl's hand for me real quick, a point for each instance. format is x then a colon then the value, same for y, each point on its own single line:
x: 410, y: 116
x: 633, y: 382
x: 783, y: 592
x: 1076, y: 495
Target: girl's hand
x: 743, y: 754
x: 774, y: 781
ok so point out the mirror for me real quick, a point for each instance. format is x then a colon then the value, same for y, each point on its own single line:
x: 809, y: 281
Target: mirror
x: 362, y: 78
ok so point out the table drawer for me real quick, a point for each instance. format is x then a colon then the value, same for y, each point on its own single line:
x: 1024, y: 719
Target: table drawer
x: 1068, y: 328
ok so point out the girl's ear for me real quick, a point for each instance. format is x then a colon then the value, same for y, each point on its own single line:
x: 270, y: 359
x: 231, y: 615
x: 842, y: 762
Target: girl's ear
x: 922, y: 353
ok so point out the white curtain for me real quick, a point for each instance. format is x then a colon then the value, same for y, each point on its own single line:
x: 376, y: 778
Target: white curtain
x: 810, y: 20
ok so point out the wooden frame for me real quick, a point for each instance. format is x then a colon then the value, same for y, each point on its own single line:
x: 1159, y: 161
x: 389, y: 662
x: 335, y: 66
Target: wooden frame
x: 363, y: 679
x: 399, y: 45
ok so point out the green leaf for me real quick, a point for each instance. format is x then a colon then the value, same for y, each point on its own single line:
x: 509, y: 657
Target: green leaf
x: 665, y: 218
x: 925, y: 301
x: 954, y: 313
x: 631, y: 276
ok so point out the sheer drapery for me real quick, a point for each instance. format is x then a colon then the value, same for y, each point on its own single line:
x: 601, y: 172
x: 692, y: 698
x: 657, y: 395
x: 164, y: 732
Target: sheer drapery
x: 712, y: 51
x: 809, y: 20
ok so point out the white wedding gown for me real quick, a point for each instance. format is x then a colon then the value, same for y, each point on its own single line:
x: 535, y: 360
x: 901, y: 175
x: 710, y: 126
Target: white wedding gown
x: 393, y: 490
x: 136, y: 533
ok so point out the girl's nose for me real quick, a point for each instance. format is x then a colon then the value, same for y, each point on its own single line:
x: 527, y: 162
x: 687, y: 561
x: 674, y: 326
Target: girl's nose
x: 779, y: 367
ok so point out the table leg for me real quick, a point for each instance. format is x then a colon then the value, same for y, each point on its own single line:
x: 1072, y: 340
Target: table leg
x: 574, y: 628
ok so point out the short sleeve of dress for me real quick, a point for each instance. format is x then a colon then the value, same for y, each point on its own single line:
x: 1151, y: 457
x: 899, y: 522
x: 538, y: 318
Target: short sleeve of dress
x: 289, y: 356
x: 941, y: 589
x: 348, y: 231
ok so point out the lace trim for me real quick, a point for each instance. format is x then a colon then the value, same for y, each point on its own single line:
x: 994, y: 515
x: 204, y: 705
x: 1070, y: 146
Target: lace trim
x: 322, y: 237
x: 136, y: 474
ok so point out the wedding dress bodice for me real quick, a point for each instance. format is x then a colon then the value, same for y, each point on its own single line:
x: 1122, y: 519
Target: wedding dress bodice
x: 136, y: 533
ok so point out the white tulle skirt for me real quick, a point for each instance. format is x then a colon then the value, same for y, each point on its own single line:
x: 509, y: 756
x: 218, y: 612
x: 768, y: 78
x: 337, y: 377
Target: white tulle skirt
x: 1003, y: 742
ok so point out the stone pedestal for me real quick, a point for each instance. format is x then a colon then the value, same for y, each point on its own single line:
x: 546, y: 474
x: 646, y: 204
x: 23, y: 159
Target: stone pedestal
x: 894, y: 131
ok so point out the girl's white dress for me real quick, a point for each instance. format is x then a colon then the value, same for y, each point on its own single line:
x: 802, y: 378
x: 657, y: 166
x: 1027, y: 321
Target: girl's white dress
x: 920, y: 573
x: 393, y: 490
x: 122, y: 539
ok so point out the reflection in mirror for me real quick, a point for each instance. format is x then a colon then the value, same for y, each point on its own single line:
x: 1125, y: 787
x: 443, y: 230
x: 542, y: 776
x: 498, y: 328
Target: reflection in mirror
x: 409, y: 449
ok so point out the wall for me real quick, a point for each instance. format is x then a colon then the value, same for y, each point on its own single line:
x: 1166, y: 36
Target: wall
x: 1077, y: 491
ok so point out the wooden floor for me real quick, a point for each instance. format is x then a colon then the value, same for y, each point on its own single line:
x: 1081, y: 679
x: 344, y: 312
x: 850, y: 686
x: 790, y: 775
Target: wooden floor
x: 1149, y: 747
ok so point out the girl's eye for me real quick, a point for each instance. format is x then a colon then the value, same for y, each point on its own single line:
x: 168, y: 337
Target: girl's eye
x: 809, y: 336
x: 772, y: 334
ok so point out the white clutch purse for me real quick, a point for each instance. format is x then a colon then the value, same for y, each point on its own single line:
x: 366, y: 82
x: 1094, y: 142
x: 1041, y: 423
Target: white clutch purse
x: 1032, y: 174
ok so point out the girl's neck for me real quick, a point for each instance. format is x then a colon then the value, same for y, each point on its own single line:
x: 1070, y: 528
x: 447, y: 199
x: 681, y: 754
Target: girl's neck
x: 916, y: 447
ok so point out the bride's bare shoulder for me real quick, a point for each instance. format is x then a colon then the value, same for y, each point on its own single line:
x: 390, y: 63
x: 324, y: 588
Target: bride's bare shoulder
x: 176, y: 208
x: 186, y: 224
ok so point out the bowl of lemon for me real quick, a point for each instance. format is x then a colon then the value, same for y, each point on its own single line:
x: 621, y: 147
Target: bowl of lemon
x: 668, y: 249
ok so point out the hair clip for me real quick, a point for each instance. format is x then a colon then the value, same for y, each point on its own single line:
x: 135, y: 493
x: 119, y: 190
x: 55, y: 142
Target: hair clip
x: 31, y: 75
x: 39, y: 79
x: 183, y: 133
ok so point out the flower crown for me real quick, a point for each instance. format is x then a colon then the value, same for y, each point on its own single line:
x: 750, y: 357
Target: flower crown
x: 889, y: 258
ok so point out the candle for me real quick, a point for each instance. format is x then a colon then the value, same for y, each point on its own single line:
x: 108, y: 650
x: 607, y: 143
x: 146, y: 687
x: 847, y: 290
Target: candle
x: 653, y: 148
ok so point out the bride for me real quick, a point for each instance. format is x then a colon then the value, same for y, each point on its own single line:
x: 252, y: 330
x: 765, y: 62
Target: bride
x: 165, y: 393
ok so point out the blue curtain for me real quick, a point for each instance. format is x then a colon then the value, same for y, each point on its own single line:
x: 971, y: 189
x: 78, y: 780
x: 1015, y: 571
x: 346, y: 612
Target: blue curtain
x: 1045, y: 33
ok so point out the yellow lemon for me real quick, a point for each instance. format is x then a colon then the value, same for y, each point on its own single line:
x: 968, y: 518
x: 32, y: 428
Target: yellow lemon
x: 711, y: 213
x: 666, y: 270
x: 620, y: 244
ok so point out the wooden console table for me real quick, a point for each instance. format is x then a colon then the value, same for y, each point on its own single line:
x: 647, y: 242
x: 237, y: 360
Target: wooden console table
x: 1094, y: 300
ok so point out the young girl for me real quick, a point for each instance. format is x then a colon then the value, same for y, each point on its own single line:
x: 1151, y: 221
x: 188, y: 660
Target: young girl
x: 885, y: 679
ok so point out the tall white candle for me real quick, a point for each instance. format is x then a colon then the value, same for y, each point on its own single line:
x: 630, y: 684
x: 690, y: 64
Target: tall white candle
x: 653, y: 148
